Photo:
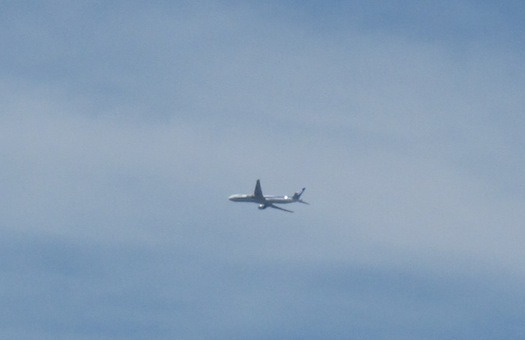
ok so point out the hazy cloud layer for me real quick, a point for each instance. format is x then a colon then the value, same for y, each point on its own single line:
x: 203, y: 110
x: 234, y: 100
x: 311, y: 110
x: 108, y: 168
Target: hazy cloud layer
x: 125, y: 126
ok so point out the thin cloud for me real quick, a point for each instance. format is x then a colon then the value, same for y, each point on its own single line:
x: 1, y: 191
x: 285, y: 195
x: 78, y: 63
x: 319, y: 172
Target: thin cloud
x: 119, y: 152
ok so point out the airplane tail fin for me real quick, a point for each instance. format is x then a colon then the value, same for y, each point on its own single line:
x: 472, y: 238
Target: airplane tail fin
x: 297, y: 195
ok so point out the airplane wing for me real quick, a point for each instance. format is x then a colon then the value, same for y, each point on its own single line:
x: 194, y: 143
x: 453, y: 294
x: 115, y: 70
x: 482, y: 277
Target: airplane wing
x: 276, y: 207
x: 258, y: 191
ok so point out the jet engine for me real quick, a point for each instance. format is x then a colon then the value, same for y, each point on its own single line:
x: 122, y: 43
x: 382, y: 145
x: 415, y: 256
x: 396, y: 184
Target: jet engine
x: 262, y: 206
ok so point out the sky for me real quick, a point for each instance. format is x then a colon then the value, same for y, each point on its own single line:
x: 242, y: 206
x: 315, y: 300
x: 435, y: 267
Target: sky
x: 125, y: 126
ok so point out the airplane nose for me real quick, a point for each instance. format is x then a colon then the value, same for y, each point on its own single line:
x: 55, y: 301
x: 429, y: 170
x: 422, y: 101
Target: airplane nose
x: 231, y: 197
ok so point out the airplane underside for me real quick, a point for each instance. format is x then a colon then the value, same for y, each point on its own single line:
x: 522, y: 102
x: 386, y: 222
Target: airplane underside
x: 264, y: 206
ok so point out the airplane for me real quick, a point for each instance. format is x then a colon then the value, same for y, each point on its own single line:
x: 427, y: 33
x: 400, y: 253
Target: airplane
x: 266, y: 201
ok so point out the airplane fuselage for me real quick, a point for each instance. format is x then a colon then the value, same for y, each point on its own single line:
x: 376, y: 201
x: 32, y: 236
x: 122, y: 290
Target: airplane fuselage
x: 261, y: 200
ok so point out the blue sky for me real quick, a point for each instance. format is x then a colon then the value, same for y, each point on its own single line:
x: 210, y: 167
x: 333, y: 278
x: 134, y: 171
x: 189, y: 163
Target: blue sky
x: 124, y: 127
